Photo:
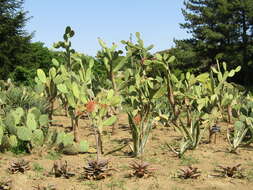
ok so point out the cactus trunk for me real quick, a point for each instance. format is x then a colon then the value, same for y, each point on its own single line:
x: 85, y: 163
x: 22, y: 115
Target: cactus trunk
x: 229, y: 109
x: 99, y: 143
x: 76, y: 130
x: 51, y: 110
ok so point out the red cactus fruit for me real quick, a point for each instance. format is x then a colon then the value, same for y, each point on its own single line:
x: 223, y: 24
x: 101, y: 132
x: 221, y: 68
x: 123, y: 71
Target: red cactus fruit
x: 90, y: 106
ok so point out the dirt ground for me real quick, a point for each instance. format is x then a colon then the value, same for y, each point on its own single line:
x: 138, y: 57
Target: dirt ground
x: 206, y: 157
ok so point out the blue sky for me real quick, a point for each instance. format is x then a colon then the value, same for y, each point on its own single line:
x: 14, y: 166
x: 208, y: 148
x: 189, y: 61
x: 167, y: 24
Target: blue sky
x: 112, y: 20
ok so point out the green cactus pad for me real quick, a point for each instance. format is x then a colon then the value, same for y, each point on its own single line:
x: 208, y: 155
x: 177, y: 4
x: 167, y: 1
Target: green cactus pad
x: 13, y: 141
x: 24, y: 133
x: 37, y: 138
x: 1, y: 134
x: 43, y: 120
x: 31, y: 122
x: 84, y: 146
x: 10, y: 123
x: 110, y: 121
x: 41, y: 75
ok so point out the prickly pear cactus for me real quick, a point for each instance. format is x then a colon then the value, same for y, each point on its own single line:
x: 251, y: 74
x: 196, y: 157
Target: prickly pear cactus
x: 28, y: 127
x: 142, y: 87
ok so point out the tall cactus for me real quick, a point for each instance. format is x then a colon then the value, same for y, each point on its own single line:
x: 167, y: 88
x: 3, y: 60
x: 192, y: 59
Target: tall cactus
x: 75, y: 85
x: 47, y: 84
x: 97, y: 110
x: 140, y: 92
x: 112, y: 61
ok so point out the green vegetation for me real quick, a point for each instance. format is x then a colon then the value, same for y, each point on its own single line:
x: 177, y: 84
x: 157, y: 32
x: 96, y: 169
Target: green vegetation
x: 220, y: 30
x: 150, y: 89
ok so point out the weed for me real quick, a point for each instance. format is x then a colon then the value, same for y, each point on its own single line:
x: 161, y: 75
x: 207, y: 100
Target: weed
x: 249, y: 175
x: 116, y: 184
x: 91, y: 184
x: 188, y: 161
x: 53, y: 155
x: 37, y: 167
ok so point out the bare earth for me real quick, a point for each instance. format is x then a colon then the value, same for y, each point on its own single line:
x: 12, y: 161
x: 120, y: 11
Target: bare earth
x: 206, y: 158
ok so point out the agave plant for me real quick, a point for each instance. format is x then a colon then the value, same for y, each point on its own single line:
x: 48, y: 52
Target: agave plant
x: 97, y: 170
x: 189, y: 172
x: 239, y: 132
x: 22, y: 97
x: 41, y: 187
x: 227, y: 171
x: 5, y: 185
x: 141, y: 169
x: 20, y: 165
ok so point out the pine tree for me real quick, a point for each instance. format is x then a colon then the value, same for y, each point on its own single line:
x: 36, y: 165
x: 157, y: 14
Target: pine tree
x: 221, y: 29
x: 14, y: 41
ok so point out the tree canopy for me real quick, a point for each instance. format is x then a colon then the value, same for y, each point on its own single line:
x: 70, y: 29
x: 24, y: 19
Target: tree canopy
x: 221, y: 30
x: 14, y: 40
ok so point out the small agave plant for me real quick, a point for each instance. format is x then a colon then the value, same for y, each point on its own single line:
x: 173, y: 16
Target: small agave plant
x: 141, y: 169
x: 97, y: 170
x: 40, y: 187
x: 229, y: 171
x: 19, y: 166
x: 5, y: 185
x: 97, y: 110
x: 189, y: 173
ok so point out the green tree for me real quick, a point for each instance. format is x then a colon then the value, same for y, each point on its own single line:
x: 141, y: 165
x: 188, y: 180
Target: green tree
x: 37, y: 56
x: 221, y: 29
x: 14, y: 40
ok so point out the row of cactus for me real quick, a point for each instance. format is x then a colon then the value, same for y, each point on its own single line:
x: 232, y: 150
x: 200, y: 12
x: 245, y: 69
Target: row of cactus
x: 195, y: 102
